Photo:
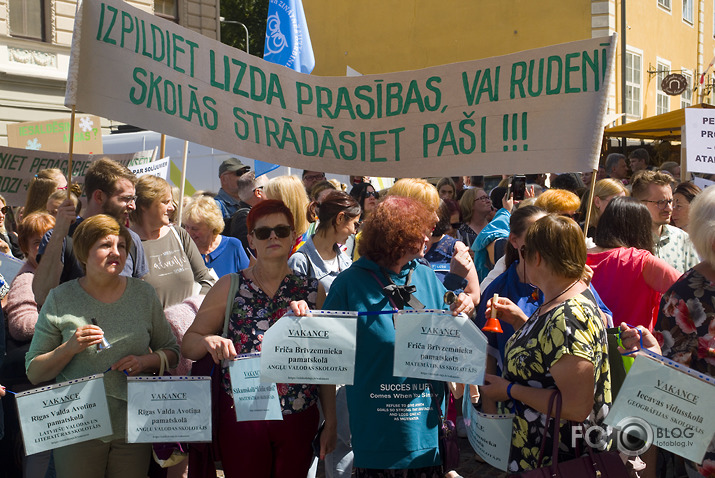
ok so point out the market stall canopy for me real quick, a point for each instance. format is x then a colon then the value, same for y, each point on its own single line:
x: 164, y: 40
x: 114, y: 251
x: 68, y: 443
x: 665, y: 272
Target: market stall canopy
x: 663, y: 127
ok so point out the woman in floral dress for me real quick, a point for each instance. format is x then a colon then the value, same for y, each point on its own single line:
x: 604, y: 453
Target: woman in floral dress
x: 267, y: 291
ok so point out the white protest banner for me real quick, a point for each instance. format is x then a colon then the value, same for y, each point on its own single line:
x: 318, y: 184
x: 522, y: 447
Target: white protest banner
x: 159, y: 168
x: 252, y: 399
x: 674, y: 400
x: 168, y: 409
x: 19, y: 166
x: 489, y: 435
x: 64, y: 413
x: 318, y: 349
x: 534, y: 111
x: 434, y: 344
x: 700, y: 140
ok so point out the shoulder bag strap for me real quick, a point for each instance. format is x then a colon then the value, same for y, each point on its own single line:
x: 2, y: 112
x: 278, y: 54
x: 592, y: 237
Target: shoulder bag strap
x: 235, y: 284
x: 164, y: 362
x: 555, y: 397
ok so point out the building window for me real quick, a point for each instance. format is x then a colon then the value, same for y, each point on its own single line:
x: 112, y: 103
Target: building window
x: 633, y: 84
x: 686, y: 98
x: 662, y: 101
x: 167, y: 9
x: 27, y: 19
x: 688, y: 11
x: 665, y: 4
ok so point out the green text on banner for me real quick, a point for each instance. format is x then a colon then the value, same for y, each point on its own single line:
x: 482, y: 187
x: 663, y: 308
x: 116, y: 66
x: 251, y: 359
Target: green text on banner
x: 168, y: 409
x: 435, y: 345
x: 677, y: 405
x: 63, y: 414
x: 534, y: 111
x: 19, y: 166
x: 315, y: 349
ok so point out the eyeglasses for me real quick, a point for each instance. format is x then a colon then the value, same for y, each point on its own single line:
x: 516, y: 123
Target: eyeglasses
x: 263, y: 233
x: 4, y: 209
x: 483, y: 198
x: 661, y: 204
x: 374, y: 194
x: 127, y: 199
x: 314, y: 177
x: 256, y: 189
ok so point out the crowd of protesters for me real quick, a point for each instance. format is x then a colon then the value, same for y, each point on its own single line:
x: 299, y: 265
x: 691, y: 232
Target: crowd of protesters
x: 121, y: 266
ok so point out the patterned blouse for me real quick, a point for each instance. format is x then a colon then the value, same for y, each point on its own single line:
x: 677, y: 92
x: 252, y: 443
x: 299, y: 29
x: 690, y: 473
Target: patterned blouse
x: 686, y: 333
x: 575, y: 328
x: 253, y: 313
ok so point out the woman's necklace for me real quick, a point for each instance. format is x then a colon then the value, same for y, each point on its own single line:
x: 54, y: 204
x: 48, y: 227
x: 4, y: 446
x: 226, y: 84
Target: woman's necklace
x: 538, y: 311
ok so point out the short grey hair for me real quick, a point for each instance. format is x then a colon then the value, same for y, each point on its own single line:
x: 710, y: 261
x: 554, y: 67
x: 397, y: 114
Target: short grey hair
x: 701, y: 225
x: 249, y: 183
x: 612, y: 160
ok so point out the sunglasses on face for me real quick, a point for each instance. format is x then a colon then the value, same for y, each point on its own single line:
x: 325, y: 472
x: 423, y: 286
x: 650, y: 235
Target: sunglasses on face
x: 263, y: 233
x: 374, y: 194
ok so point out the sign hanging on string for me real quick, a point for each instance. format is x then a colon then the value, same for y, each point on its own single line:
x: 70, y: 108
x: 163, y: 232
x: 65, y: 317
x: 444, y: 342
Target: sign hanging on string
x: 168, y: 409
x: 63, y: 414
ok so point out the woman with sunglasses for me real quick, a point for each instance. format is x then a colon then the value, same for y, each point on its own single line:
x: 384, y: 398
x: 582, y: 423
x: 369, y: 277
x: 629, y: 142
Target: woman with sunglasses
x: 367, y: 197
x: 266, y: 292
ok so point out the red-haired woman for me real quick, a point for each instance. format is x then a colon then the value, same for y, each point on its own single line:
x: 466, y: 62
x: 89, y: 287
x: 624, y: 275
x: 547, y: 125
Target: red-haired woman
x: 393, y: 238
x: 267, y: 448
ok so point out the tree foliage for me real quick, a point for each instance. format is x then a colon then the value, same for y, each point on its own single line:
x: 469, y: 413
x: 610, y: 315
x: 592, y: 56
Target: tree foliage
x: 253, y: 14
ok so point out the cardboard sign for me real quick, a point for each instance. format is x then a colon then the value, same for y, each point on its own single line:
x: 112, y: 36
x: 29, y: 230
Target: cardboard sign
x: 674, y: 400
x: 435, y: 345
x: 19, y: 166
x: 489, y: 435
x: 700, y: 140
x: 252, y: 399
x: 63, y: 414
x: 168, y: 409
x: 54, y: 135
x: 529, y: 112
x: 318, y: 349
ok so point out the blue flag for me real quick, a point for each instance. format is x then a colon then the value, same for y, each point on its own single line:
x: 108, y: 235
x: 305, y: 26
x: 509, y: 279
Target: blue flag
x: 287, y: 37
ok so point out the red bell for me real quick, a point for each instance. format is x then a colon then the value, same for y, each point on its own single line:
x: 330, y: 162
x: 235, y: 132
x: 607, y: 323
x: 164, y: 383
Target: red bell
x: 493, y: 324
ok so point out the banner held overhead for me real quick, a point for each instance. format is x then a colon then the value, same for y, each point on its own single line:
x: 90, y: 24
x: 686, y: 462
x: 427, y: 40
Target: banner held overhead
x: 528, y: 112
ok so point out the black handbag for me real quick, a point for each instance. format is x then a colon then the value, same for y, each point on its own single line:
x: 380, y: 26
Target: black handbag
x: 594, y: 464
x: 448, y: 439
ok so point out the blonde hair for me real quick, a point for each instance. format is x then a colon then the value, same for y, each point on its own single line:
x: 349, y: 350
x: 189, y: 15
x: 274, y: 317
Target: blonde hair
x: 702, y: 224
x: 466, y: 204
x: 417, y: 189
x: 203, y: 209
x: 291, y: 191
x: 41, y: 187
x: 149, y: 189
x: 603, y: 189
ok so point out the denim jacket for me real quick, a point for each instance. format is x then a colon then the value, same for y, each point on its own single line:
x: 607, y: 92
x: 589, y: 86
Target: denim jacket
x: 307, y: 261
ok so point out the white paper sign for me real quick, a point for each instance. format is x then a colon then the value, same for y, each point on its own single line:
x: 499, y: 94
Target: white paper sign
x: 675, y: 403
x: 168, y: 409
x: 159, y: 168
x: 702, y: 183
x: 700, y: 139
x: 489, y: 435
x: 63, y: 414
x: 252, y: 399
x: 318, y: 349
x: 435, y: 345
x: 527, y: 112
